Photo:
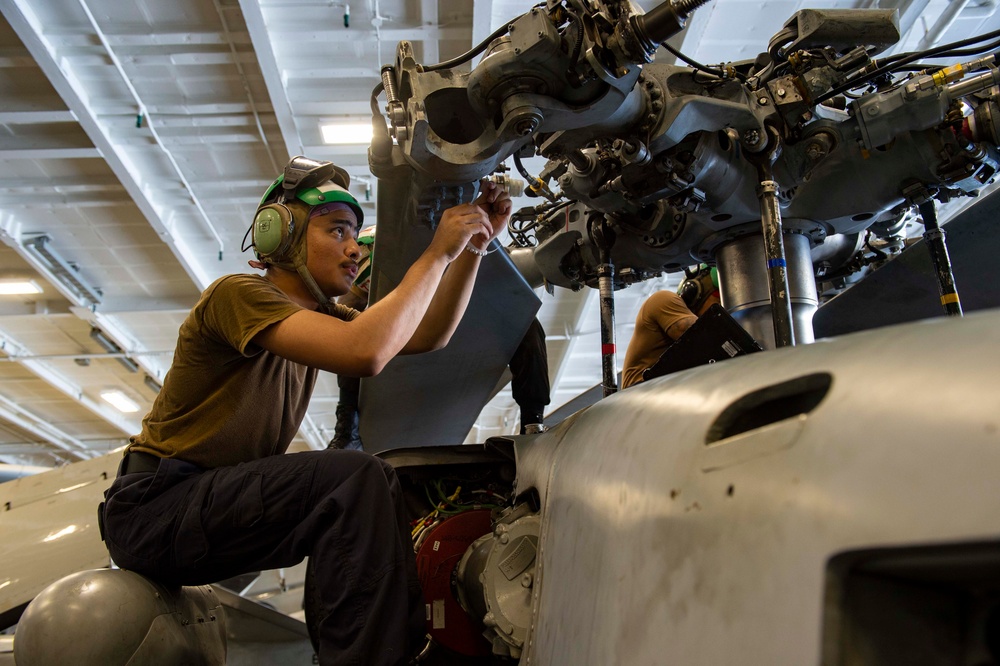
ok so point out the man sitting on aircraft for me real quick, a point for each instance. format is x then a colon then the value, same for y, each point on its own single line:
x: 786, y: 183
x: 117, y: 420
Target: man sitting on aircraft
x: 202, y: 493
x: 664, y: 318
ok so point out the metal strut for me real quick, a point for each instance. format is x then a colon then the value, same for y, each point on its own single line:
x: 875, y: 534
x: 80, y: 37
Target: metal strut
x: 774, y: 254
x: 604, y: 238
x: 934, y: 236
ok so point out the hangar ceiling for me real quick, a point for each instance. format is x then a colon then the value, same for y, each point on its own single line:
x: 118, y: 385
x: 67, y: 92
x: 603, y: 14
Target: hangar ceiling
x: 136, y: 139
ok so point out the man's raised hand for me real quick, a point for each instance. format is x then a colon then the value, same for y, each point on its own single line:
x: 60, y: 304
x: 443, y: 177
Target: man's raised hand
x: 461, y: 225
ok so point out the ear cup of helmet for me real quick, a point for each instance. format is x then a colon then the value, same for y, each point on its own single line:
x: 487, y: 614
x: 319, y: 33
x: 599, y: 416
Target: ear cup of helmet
x: 698, y: 287
x: 690, y: 292
x: 273, y: 226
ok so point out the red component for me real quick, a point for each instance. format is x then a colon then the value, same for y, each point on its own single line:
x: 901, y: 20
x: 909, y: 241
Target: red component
x: 967, y: 130
x: 439, y: 554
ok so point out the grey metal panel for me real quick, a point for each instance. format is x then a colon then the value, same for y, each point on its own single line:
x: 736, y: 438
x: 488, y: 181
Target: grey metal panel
x: 905, y: 289
x: 435, y: 398
x: 657, y: 548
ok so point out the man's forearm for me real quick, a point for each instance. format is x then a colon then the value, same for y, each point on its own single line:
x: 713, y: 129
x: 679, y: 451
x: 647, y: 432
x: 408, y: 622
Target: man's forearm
x: 394, y: 319
x: 447, y: 307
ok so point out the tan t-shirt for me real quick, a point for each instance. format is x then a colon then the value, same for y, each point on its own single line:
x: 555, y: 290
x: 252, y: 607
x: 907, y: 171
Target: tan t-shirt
x: 226, y: 400
x: 655, y: 330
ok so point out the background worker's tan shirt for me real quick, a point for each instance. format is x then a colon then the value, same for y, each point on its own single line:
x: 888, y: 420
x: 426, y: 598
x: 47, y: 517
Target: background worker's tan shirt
x: 655, y: 330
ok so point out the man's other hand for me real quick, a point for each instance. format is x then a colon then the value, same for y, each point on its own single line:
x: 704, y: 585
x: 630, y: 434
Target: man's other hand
x: 495, y: 202
x: 461, y: 225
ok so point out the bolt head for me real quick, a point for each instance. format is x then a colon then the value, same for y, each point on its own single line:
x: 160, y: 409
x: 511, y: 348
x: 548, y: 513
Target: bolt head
x: 526, y: 126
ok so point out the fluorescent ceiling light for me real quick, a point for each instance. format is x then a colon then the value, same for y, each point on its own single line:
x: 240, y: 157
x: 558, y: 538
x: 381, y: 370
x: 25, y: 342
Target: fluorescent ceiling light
x: 14, y: 287
x: 345, y: 133
x: 120, y: 401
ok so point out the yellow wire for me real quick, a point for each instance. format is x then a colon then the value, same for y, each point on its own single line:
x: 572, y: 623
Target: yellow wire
x: 429, y: 518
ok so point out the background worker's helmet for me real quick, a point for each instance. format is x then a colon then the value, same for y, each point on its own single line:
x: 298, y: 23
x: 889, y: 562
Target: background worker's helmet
x: 698, y: 286
x: 278, y: 232
x: 362, y: 283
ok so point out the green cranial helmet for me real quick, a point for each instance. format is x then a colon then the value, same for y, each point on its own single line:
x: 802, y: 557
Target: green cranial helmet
x: 277, y: 234
x: 313, y: 182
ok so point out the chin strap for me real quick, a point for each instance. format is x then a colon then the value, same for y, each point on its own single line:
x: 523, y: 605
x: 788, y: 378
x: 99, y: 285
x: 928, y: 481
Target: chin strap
x: 311, y: 285
x: 297, y: 263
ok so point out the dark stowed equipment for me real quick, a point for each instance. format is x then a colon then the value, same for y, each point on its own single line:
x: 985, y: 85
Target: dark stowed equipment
x: 716, y: 336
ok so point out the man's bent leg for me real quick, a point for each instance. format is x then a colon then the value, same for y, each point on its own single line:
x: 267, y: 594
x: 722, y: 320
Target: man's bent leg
x: 343, y: 508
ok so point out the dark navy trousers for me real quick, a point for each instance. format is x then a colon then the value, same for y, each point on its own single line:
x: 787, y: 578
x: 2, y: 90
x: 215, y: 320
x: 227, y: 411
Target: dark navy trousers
x: 529, y: 369
x: 186, y: 525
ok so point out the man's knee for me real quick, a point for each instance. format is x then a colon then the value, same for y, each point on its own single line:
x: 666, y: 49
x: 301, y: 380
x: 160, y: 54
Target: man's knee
x: 347, y: 463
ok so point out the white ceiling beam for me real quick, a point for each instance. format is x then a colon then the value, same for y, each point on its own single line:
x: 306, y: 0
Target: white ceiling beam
x: 169, y: 107
x: 38, y: 427
x: 152, y: 362
x: 162, y: 305
x: 206, y: 222
x: 49, y: 153
x: 217, y: 120
x: 154, y: 367
x: 11, y: 235
x: 189, y: 59
x: 320, y: 109
x: 292, y: 74
x: 245, y: 82
x: 36, y: 117
x: 70, y: 37
x: 123, y: 138
x: 75, y: 94
x: 297, y: 37
x: 62, y: 184
x: 62, y: 192
x: 54, y: 201
x: 61, y: 383
x: 20, y: 449
x: 139, y: 60
x: 260, y: 36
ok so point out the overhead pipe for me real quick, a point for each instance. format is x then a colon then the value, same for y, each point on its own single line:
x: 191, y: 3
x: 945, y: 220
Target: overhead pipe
x: 941, y: 25
x: 144, y: 114
x: 246, y: 87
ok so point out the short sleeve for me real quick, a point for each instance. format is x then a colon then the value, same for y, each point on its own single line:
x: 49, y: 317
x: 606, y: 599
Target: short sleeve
x: 238, y: 307
x: 343, y: 312
x: 665, y: 308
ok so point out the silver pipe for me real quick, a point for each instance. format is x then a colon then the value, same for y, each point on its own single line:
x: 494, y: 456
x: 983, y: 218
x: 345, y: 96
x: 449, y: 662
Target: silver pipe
x: 743, y: 284
x: 774, y: 255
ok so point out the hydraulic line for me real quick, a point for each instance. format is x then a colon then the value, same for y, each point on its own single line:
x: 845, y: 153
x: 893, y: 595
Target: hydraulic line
x: 604, y: 238
x: 774, y: 253
x: 934, y: 236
